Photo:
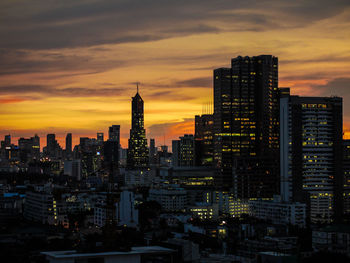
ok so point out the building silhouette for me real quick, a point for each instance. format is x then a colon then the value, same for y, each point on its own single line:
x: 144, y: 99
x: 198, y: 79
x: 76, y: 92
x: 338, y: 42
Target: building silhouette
x: 138, y: 157
x: 246, y: 126
x: 69, y: 144
x: 204, y: 136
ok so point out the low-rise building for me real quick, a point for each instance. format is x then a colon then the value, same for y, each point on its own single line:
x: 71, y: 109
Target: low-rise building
x: 135, y: 255
x: 332, y: 238
x: 278, y: 212
x: 205, y: 211
x: 171, y: 198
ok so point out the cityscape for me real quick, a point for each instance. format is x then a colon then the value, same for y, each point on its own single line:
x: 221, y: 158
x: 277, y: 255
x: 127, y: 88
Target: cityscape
x: 265, y: 176
x: 174, y: 132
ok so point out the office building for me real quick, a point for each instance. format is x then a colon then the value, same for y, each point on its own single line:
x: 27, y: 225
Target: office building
x: 204, y: 134
x: 127, y: 213
x: 135, y: 255
x: 111, y: 154
x: 184, y: 151
x: 138, y: 157
x: 114, y: 133
x: 312, y: 154
x: 69, y: 144
x: 73, y: 168
x: 53, y: 149
x: 100, y: 138
x: 346, y: 169
x: 277, y: 212
x: 152, y: 151
x: 172, y: 198
x: 246, y: 126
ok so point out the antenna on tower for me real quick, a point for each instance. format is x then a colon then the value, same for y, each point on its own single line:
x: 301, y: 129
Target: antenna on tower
x: 137, y: 86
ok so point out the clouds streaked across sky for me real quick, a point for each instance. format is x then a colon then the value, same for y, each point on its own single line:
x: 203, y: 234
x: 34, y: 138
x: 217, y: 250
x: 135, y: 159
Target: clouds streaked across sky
x: 70, y: 66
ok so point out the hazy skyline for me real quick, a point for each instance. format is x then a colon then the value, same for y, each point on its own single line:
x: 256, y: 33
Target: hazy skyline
x: 72, y: 66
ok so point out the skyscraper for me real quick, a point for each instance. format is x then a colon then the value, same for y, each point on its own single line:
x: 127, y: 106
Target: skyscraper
x: 138, y: 151
x: 152, y: 151
x: 246, y: 126
x: 52, y: 146
x: 204, y: 126
x: 346, y: 169
x: 114, y: 133
x: 312, y: 154
x: 69, y: 144
x: 100, y: 138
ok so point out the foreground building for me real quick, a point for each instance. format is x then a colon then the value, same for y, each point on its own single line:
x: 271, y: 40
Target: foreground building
x: 278, y: 212
x: 246, y: 126
x: 311, y: 154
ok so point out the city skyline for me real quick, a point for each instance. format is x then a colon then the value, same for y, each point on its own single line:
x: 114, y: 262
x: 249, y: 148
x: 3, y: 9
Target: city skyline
x: 56, y: 82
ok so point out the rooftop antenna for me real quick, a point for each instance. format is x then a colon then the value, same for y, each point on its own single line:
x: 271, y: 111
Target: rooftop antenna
x: 137, y: 86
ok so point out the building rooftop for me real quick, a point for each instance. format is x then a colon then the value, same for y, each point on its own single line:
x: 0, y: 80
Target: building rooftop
x: 133, y: 251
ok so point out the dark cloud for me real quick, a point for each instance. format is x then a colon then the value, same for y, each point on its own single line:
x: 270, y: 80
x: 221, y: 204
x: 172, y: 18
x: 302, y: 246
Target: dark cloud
x: 339, y: 87
x: 41, y: 24
x: 60, y: 92
x: 20, y: 62
x: 172, y: 129
x: 196, y: 82
x: 336, y: 87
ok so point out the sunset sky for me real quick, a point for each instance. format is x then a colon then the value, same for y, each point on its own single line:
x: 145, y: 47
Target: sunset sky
x: 71, y: 66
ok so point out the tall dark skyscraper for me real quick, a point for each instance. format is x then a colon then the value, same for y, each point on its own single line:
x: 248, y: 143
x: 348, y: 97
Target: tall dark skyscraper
x: 7, y: 140
x: 69, y: 143
x: 138, y: 157
x: 114, y: 133
x: 51, y: 145
x: 204, y: 126
x: 246, y: 126
x: 152, y: 151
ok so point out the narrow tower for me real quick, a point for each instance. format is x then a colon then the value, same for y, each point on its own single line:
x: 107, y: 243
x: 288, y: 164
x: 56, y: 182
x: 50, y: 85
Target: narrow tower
x: 137, y: 152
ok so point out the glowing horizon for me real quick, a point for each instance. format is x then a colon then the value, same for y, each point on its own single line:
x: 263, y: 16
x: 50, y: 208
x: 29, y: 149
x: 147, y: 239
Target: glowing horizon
x: 72, y: 66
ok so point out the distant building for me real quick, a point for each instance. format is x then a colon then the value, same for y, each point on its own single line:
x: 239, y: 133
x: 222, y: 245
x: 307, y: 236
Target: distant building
x: 51, y: 146
x: 29, y: 149
x: 41, y: 206
x: 332, y: 238
x: 69, y: 144
x: 135, y: 255
x: 172, y: 198
x: 73, y: 168
x: 204, y: 133
x: 111, y: 154
x: 184, y: 151
x: 114, y: 133
x: 205, y: 211
x: 138, y: 157
x: 346, y: 169
x: 278, y: 212
x: 152, y: 151
x: 127, y: 213
x: 100, y: 138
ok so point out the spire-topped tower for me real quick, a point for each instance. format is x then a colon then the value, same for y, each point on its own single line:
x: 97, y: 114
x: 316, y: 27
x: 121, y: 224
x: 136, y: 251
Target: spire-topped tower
x: 138, y: 151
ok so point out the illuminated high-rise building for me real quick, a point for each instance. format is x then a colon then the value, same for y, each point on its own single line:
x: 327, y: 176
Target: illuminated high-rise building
x: 246, y: 126
x: 346, y: 169
x: 312, y: 154
x: 138, y: 157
